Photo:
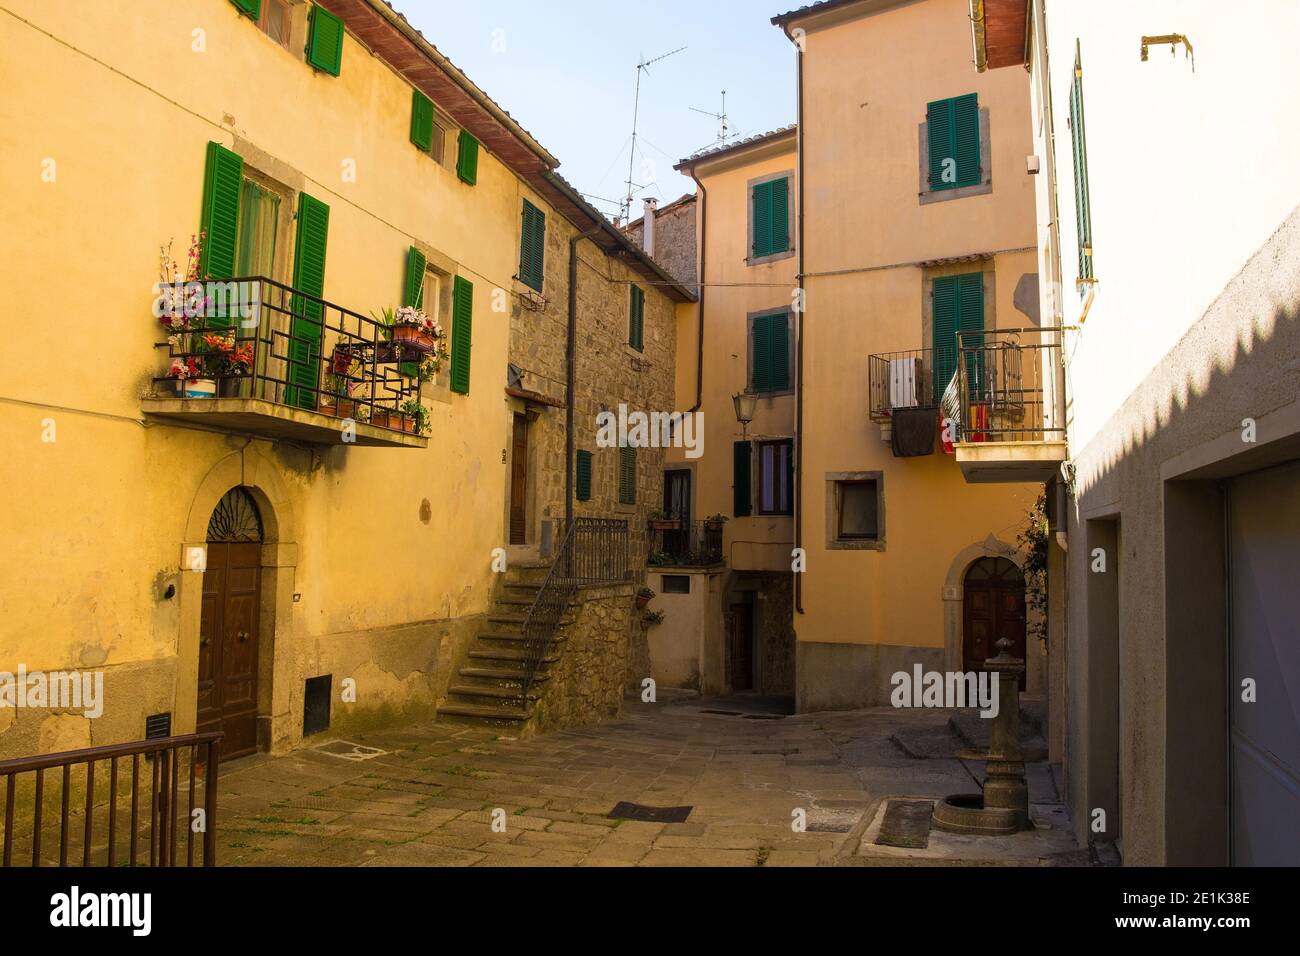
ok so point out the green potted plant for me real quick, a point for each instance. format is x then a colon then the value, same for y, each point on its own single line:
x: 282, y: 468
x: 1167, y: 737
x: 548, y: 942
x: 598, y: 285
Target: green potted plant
x: 663, y: 521
x: 652, y: 618
x: 715, y: 522
x: 415, y: 417
x: 643, y: 597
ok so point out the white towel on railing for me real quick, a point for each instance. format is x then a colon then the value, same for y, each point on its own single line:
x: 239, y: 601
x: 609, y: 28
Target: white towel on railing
x: 903, y: 376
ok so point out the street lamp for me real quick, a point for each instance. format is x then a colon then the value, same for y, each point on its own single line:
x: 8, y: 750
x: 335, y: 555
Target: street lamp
x: 745, y: 403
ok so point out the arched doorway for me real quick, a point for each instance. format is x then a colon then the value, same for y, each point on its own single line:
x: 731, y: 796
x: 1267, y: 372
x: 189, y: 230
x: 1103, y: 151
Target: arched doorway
x: 993, y: 606
x: 228, y: 627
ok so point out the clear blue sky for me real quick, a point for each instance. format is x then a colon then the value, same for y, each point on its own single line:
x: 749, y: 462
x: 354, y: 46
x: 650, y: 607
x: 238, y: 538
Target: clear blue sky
x: 567, y: 73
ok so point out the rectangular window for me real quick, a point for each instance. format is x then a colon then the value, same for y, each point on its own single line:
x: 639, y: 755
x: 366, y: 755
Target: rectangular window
x: 775, y: 477
x: 770, y: 217
x: 627, y: 475
x: 741, y: 482
x: 957, y: 304
x: 276, y: 20
x: 636, y: 320
x: 259, y: 215
x: 582, y: 478
x: 769, y: 353
x: 953, y: 133
x: 859, y: 511
x: 1082, y: 199
x: 532, y: 247
x: 676, y: 584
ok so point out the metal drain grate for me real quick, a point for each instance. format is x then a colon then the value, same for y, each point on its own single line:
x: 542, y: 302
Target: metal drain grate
x: 906, y: 824
x: 635, y: 811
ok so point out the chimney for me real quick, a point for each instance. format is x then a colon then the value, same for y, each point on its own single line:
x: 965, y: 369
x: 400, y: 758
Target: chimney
x: 648, y: 229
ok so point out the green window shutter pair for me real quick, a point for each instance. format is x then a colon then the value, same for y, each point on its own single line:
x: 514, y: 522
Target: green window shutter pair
x: 1082, y: 199
x: 771, y: 218
x: 636, y: 321
x: 325, y: 41
x: 770, y: 353
x: 532, y: 247
x: 467, y: 158
x: 462, y: 333
x: 742, y: 458
x: 413, y: 295
x: 953, y: 131
x: 251, y: 7
x: 582, y: 481
x: 626, y: 475
x: 306, y: 327
x: 421, y: 120
x: 958, y: 305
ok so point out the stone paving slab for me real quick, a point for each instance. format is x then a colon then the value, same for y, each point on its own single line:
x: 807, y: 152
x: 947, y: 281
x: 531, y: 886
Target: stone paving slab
x: 432, y: 798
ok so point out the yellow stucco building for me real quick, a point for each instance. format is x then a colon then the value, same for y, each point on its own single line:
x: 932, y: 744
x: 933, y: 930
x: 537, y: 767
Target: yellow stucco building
x: 274, y: 543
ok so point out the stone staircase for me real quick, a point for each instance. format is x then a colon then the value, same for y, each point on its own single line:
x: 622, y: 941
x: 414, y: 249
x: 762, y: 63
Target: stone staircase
x: 488, y: 687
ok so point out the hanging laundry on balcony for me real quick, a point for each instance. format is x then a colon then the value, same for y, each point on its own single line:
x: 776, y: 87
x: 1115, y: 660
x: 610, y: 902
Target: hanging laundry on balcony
x: 913, y: 432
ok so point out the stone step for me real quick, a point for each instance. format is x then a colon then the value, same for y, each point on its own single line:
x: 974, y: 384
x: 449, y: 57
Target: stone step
x: 487, y: 690
x: 501, y: 673
x: 481, y: 712
x: 514, y: 636
x: 520, y: 618
x: 515, y: 657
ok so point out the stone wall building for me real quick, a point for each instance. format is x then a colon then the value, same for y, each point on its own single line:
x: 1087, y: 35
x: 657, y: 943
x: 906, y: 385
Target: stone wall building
x: 673, y: 236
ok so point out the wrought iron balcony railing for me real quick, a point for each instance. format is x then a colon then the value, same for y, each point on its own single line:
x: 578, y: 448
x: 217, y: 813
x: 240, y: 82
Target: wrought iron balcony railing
x: 906, y: 380
x: 1005, y: 384
x: 690, y: 544
x: 255, y: 338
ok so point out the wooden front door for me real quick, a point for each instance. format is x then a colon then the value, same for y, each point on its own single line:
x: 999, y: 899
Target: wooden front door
x: 228, y: 625
x: 519, y: 481
x: 993, y: 607
x: 742, y: 647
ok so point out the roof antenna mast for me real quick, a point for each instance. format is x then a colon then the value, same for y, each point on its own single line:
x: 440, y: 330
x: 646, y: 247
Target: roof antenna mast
x: 632, y: 187
x: 724, y: 126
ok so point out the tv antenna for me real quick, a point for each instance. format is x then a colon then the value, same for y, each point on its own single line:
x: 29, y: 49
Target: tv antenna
x: 632, y: 187
x: 724, y: 126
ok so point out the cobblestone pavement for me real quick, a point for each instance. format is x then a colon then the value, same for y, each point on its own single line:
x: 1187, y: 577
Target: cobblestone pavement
x: 429, y: 798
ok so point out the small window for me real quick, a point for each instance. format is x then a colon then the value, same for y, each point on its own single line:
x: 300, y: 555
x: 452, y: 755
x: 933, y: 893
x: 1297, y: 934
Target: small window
x: 769, y: 222
x: 858, y: 517
x: 769, y: 353
x: 676, y: 584
x: 953, y: 133
x: 627, y: 475
x: 442, y: 132
x: 636, y: 319
x: 775, y: 477
x: 582, y: 478
x: 276, y: 20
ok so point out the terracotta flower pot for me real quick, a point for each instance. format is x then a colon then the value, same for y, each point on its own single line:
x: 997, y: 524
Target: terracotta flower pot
x: 641, y: 602
x: 666, y: 524
x: 414, y: 338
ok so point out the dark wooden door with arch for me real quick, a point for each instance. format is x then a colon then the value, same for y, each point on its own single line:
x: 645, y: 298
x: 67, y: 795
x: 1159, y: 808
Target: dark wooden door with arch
x: 228, y: 626
x: 993, y: 607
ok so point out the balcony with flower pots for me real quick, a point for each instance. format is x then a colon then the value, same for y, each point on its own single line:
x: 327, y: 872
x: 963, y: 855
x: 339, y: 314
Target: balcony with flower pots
x: 254, y: 356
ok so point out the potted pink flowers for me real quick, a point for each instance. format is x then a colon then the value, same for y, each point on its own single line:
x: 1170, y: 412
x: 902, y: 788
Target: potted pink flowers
x: 412, y: 328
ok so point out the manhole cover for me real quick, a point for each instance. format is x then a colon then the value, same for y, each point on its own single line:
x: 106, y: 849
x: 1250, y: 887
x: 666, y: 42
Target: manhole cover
x: 906, y: 824
x: 347, y: 750
x: 635, y: 811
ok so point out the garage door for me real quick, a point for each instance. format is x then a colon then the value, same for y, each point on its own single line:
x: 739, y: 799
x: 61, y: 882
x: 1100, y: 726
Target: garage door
x: 1264, y: 515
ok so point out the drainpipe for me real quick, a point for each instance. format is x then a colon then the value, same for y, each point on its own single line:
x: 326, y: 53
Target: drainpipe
x: 570, y: 363
x: 803, y: 301
x: 699, y: 291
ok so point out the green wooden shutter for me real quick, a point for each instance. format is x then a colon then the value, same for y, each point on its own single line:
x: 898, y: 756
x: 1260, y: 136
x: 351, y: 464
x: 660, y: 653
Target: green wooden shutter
x: 779, y: 201
x: 760, y: 372
x: 583, y: 476
x: 970, y: 317
x: 1082, y: 199
x: 532, y: 247
x: 325, y: 41
x: 939, y: 132
x: 251, y: 7
x: 421, y: 120
x: 636, y: 319
x: 413, y: 295
x: 627, y: 475
x: 306, y: 327
x: 219, y: 218
x: 944, y: 322
x: 778, y: 352
x: 966, y: 139
x: 742, y: 457
x: 467, y: 159
x: 762, y: 217
x: 462, y: 333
